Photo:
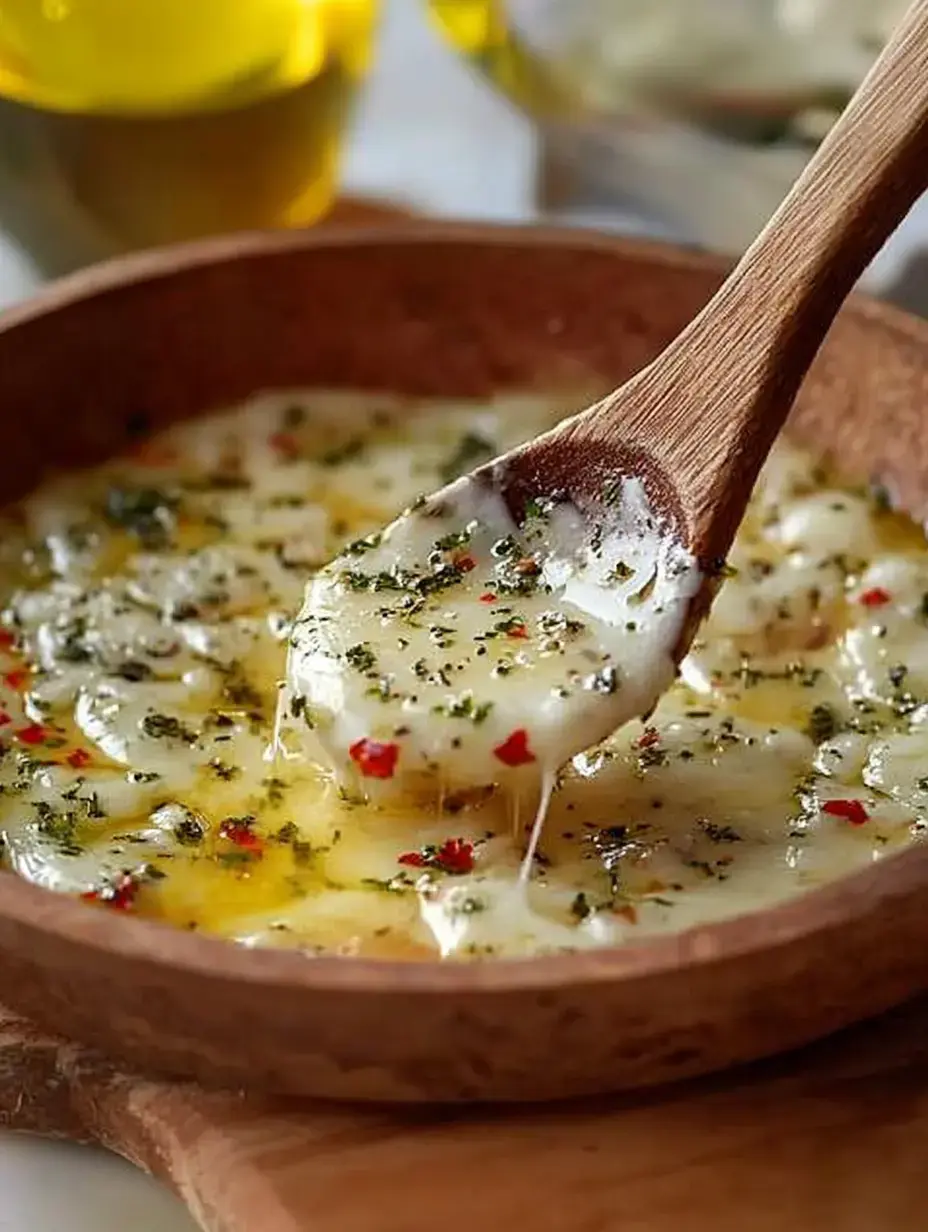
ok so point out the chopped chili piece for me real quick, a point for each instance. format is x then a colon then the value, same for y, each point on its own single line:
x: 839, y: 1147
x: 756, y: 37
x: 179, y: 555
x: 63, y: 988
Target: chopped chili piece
x: 119, y: 896
x: 286, y: 445
x: 517, y: 631
x: 374, y: 759
x: 514, y: 750
x: 238, y: 831
x: 32, y: 733
x: 78, y: 758
x: 17, y: 677
x: 875, y: 597
x: 849, y: 810
x: 455, y: 856
x: 464, y: 562
x: 5, y: 719
x: 487, y: 597
x: 527, y: 566
x: 153, y: 453
x: 648, y: 738
x: 7, y: 639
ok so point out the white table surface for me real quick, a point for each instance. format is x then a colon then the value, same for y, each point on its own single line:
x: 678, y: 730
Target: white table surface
x: 432, y: 135
x: 437, y: 138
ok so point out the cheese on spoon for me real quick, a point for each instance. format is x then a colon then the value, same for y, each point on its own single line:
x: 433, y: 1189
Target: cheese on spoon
x: 459, y: 649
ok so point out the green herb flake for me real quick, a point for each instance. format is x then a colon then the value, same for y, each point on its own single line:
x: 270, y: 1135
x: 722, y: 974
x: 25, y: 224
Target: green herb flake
x: 580, y: 908
x: 470, y: 450
x: 823, y: 723
x: 147, y: 513
x: 167, y: 727
x: 361, y: 657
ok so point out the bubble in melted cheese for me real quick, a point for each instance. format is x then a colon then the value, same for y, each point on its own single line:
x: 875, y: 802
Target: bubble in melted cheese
x: 149, y: 605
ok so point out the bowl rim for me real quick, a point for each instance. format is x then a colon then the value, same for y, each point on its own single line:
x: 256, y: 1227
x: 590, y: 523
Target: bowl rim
x: 47, y: 915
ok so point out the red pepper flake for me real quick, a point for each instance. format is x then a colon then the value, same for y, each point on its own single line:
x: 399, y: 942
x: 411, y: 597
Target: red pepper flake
x: 488, y: 597
x: 32, y: 733
x: 875, y: 597
x: 286, y: 445
x: 153, y: 453
x: 849, y: 810
x: 239, y: 831
x: 7, y: 639
x: 374, y: 759
x: 5, y: 719
x: 120, y: 896
x: 78, y: 758
x: 514, y: 750
x: 17, y: 677
x: 648, y: 738
x: 527, y: 567
x: 455, y: 856
x: 517, y: 631
x: 465, y: 562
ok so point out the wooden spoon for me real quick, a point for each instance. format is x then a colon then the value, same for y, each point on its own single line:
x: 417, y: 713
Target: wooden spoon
x: 693, y: 429
x: 699, y: 421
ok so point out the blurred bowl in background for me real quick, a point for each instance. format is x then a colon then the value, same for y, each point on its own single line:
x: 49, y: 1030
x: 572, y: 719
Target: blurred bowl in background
x: 695, y: 114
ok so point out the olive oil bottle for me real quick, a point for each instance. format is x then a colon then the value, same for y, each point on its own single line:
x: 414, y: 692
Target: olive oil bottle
x: 131, y: 123
x: 485, y: 32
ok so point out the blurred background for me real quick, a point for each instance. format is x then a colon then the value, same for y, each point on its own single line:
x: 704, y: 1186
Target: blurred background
x: 129, y: 124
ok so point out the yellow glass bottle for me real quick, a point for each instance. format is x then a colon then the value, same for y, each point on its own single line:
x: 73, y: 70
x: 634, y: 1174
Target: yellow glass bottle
x: 484, y: 32
x: 128, y: 123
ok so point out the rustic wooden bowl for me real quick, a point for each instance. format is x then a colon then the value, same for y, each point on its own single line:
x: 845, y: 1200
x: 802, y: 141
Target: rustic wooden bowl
x: 438, y: 310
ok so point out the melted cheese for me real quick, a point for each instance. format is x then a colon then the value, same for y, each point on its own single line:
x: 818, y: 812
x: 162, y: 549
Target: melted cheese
x: 148, y: 614
x: 462, y: 650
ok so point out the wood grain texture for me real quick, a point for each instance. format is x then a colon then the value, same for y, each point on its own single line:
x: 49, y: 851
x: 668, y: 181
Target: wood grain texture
x: 700, y: 420
x: 828, y: 1140
x: 426, y: 309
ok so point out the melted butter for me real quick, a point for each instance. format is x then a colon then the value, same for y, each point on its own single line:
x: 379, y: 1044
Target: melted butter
x: 149, y: 607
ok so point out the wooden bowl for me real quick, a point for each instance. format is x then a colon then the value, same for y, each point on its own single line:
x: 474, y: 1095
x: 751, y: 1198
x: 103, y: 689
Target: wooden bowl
x: 438, y: 310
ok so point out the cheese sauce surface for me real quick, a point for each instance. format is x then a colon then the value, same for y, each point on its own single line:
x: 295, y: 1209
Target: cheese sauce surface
x: 150, y: 606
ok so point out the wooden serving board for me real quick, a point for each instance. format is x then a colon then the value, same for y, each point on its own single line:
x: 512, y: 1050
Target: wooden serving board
x: 832, y: 1139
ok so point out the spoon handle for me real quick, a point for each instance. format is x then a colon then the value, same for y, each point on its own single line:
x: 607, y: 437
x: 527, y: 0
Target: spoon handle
x: 758, y: 335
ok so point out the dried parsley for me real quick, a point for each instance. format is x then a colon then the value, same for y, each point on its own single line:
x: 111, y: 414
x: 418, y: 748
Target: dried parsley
x: 167, y: 727
x: 361, y: 656
x: 580, y: 908
x: 146, y: 513
x: 822, y: 724
x: 470, y: 449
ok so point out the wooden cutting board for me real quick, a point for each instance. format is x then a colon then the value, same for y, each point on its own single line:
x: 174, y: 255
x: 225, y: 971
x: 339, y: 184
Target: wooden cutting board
x: 832, y: 1139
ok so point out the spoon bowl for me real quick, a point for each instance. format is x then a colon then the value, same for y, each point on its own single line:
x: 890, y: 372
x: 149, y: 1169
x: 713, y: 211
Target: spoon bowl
x: 457, y: 311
